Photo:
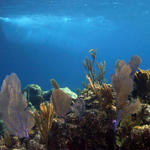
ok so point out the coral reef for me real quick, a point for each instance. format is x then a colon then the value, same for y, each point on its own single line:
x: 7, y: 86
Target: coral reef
x: 69, y: 92
x: 102, y: 117
x: 91, y: 132
x: 35, y: 95
x: 124, y: 135
x: 142, y: 85
x: 140, y: 133
x: 65, y: 89
x: 91, y: 71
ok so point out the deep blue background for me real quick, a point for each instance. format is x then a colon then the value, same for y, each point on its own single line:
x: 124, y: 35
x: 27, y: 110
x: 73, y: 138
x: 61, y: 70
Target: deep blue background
x: 37, y: 63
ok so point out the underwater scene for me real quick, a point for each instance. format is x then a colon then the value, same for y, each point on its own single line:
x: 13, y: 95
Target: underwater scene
x: 75, y: 75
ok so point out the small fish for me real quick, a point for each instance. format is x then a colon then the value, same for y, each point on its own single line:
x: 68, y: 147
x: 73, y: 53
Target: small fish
x: 92, y: 50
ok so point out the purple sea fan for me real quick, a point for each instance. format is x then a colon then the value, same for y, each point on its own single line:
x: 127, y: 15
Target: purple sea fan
x: 17, y: 119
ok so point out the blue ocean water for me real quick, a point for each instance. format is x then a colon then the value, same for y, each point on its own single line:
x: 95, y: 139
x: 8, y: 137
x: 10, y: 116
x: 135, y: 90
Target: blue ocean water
x: 40, y: 40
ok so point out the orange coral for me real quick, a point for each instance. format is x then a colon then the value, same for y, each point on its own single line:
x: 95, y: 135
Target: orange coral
x: 103, y: 93
x: 95, y: 87
x: 44, y: 119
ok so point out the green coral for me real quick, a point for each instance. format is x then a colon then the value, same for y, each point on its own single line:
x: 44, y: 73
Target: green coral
x: 69, y: 92
x: 33, y: 94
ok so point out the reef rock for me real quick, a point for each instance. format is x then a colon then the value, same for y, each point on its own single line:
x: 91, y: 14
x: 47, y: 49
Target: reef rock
x: 91, y: 129
x: 142, y: 85
x: 70, y: 93
x: 34, y: 94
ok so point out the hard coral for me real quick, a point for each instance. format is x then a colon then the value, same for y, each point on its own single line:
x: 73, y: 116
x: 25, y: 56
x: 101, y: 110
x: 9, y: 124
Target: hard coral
x: 33, y: 94
x: 103, y: 93
x: 130, y: 132
x: 139, y: 138
x: 142, y: 85
x: 93, y: 131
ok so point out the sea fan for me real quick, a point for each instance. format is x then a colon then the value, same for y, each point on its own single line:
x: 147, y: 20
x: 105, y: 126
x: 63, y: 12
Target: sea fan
x: 122, y: 82
x: 16, y: 117
x: 61, y: 102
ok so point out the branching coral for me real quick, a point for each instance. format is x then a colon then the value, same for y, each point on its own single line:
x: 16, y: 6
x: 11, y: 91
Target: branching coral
x: 89, y: 66
x: 101, y: 72
x: 95, y: 87
x: 44, y: 119
x: 134, y: 64
x: 123, y: 84
x: 104, y: 95
x: 95, y: 81
x: 100, y: 90
x: 106, y: 92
